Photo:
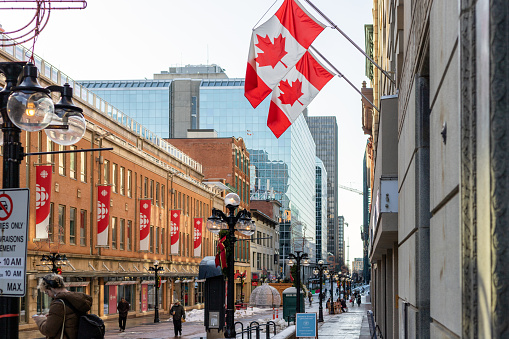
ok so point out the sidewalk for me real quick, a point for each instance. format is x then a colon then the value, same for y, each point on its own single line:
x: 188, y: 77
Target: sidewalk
x: 349, y: 325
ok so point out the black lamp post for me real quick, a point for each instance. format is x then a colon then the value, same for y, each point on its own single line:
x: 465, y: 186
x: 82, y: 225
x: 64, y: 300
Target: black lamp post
x: 243, y: 223
x: 56, y: 260
x: 155, y: 269
x: 25, y: 105
x: 333, y: 276
x: 296, y: 259
x: 320, y: 271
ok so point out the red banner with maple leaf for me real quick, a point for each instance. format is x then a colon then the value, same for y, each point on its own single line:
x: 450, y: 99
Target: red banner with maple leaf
x: 295, y: 92
x: 198, y: 223
x: 42, y: 201
x: 103, y: 214
x: 145, y: 209
x: 276, y: 46
x: 174, y: 233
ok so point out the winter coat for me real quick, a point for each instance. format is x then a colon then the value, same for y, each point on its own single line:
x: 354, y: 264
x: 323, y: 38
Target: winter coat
x: 51, y: 324
x: 123, y: 308
x: 178, y: 312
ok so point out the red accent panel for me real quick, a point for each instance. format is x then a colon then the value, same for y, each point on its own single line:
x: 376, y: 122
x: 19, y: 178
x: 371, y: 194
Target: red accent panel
x: 300, y: 24
x: 277, y: 120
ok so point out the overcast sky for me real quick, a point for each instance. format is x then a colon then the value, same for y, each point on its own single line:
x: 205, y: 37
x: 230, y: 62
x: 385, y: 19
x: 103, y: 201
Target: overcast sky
x: 127, y: 39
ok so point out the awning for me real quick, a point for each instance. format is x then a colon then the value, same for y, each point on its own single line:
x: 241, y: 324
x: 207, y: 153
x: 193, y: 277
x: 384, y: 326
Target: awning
x: 121, y: 283
x: 76, y: 283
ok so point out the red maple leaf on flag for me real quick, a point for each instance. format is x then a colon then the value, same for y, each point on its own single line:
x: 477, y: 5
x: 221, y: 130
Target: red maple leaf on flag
x: 290, y: 93
x: 272, y: 52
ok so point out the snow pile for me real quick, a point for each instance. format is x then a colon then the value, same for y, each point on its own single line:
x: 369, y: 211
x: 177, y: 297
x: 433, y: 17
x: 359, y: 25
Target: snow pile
x: 195, y: 315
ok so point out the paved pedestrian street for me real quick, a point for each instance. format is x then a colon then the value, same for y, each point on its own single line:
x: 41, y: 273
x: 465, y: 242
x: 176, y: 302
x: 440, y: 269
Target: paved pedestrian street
x: 349, y: 325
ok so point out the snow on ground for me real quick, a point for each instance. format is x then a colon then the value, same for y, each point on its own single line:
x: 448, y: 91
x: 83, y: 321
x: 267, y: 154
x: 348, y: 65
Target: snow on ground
x: 198, y: 315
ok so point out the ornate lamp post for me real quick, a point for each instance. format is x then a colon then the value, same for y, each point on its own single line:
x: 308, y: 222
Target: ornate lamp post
x: 243, y: 223
x: 296, y: 259
x: 319, y: 271
x: 155, y: 269
x: 56, y: 260
x: 333, y: 277
x: 25, y: 105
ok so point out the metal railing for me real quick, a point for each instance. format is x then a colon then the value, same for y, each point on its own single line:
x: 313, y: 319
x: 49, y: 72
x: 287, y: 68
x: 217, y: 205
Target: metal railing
x: 256, y: 327
x: 373, y: 327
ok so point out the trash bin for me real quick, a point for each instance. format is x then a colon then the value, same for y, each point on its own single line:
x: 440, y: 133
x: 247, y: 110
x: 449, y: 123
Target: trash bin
x: 214, y: 315
x: 290, y: 302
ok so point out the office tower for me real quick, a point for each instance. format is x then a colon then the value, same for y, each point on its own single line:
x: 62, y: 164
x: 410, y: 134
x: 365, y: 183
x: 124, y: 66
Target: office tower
x: 321, y: 210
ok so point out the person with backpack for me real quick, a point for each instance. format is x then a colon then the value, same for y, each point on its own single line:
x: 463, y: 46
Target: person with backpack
x: 178, y: 313
x: 123, y: 309
x: 64, y: 311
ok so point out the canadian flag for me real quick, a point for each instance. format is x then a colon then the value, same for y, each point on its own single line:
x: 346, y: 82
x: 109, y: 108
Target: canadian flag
x: 144, y: 224
x: 198, y: 223
x: 42, y: 201
x: 174, y: 233
x: 275, y: 48
x: 103, y: 214
x: 295, y: 91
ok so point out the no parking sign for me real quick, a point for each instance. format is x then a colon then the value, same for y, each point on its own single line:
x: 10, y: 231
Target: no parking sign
x: 13, y: 241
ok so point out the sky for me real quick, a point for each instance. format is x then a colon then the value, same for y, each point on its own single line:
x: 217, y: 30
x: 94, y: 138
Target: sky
x: 127, y: 39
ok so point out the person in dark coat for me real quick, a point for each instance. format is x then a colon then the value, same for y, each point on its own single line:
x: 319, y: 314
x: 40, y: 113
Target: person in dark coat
x: 50, y: 325
x: 343, y: 305
x: 123, y: 309
x: 178, y: 313
x: 359, y: 300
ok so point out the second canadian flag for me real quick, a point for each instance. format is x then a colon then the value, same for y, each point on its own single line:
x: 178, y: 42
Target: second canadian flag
x: 295, y: 91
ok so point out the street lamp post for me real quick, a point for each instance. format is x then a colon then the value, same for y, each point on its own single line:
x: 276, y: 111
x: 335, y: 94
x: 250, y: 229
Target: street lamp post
x: 333, y: 276
x: 25, y: 105
x: 320, y: 271
x: 231, y: 222
x: 155, y: 269
x: 56, y: 260
x: 297, y: 258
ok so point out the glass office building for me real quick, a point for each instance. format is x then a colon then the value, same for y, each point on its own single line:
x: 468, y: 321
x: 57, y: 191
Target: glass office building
x: 146, y: 101
x: 325, y: 133
x: 321, y: 210
x: 282, y: 168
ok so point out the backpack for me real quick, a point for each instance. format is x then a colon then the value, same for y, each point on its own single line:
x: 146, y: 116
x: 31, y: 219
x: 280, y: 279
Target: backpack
x: 90, y: 326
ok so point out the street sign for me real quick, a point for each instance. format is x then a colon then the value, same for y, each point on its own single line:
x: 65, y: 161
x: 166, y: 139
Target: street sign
x: 13, y: 241
x: 306, y: 325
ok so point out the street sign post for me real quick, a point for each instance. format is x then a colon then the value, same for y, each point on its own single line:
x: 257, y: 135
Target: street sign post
x: 14, y: 204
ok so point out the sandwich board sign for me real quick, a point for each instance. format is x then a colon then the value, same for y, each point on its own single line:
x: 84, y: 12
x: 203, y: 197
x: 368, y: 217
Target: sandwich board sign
x: 306, y: 325
x: 14, y: 204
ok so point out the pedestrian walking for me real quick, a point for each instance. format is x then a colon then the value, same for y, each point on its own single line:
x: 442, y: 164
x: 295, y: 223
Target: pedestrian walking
x: 178, y: 313
x: 61, y: 318
x: 359, y: 300
x: 343, y: 305
x: 123, y: 309
x: 310, y: 297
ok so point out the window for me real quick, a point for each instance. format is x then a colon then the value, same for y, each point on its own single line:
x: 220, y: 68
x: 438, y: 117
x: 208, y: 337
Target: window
x: 163, y: 193
x: 157, y: 194
x: 151, y: 239
x: 258, y: 261
x: 122, y: 233
x: 114, y: 177
x: 83, y: 227
x: 83, y: 166
x: 254, y: 255
x: 162, y: 241
x: 114, y: 232
x: 72, y: 225
x: 183, y: 204
x: 61, y: 160
x: 122, y: 176
x: 49, y: 148
x: 152, y: 191
x: 129, y: 183
x: 74, y: 165
x: 145, y: 186
x: 157, y: 239
x: 50, y: 225
x: 61, y: 224
x: 106, y: 172
x: 39, y: 146
x: 129, y: 234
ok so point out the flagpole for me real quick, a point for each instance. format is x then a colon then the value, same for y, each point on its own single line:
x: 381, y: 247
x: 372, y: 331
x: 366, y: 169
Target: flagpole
x: 351, y: 41
x: 341, y: 75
